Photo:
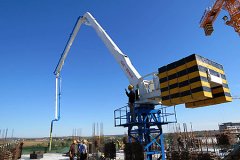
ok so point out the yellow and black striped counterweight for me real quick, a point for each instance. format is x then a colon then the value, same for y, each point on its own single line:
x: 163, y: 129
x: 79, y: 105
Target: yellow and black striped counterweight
x: 187, y: 82
x: 208, y: 29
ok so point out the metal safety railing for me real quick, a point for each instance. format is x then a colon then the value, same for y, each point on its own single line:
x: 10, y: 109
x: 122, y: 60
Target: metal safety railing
x: 121, y: 116
x: 167, y: 114
x: 158, y: 114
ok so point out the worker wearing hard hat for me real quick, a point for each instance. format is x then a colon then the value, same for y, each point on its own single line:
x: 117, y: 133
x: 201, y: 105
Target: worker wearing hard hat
x: 83, y: 150
x: 131, y: 100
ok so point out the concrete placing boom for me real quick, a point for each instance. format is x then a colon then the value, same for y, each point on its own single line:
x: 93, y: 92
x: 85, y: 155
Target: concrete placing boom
x: 193, y: 80
x: 149, y: 90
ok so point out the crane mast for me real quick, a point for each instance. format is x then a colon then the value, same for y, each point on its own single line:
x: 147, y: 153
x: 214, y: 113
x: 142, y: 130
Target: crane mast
x: 211, y: 13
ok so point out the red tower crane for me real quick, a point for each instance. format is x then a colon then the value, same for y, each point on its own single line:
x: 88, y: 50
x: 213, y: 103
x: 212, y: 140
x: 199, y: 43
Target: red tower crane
x: 211, y: 13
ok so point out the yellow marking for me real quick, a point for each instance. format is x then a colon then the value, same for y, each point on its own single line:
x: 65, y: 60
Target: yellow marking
x: 174, y: 90
x: 163, y: 75
x: 176, y: 101
x: 187, y: 98
x: 224, y: 81
x: 191, y: 63
x: 166, y: 93
x: 164, y: 84
x: 173, y: 81
x: 197, y: 74
x: 200, y: 84
x: 202, y: 95
x: 183, y: 78
x: 181, y: 68
x: 223, y: 99
x: 167, y: 103
x: 185, y: 88
x: 172, y: 71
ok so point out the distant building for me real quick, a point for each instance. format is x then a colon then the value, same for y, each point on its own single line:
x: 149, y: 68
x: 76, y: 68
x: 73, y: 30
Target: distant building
x: 233, y: 128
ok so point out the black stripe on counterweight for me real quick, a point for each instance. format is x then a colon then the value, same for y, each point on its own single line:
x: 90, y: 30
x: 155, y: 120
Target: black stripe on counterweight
x: 217, y: 87
x: 222, y: 94
x: 223, y: 85
x: 162, y: 69
x: 161, y: 80
x: 184, y: 83
x: 173, y: 86
x: 199, y: 89
x: 164, y: 89
x: 195, y: 90
x: 171, y: 66
x: 164, y: 98
x: 186, y: 93
x: 200, y: 78
x: 172, y: 76
x: 175, y: 95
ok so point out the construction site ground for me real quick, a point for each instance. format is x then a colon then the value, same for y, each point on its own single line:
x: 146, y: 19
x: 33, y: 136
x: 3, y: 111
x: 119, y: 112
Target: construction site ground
x: 59, y: 156
x: 48, y: 156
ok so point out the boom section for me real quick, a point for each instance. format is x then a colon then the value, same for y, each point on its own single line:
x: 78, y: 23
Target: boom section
x: 122, y: 59
x: 61, y: 61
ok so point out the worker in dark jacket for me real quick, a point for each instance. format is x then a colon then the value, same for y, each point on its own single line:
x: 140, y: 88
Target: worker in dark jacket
x: 72, y: 150
x: 131, y: 101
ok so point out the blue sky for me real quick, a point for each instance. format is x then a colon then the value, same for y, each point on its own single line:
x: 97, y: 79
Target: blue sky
x: 152, y: 33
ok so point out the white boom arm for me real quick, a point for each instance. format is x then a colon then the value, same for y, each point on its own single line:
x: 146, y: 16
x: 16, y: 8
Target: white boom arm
x: 122, y: 59
x: 146, y: 88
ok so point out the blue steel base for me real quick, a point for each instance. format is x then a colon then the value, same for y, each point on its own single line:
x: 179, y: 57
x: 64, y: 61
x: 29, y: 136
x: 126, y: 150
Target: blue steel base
x: 146, y: 128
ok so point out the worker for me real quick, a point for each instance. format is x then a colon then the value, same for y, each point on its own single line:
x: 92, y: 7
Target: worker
x: 83, y: 150
x: 79, y: 143
x: 131, y: 100
x: 72, y: 150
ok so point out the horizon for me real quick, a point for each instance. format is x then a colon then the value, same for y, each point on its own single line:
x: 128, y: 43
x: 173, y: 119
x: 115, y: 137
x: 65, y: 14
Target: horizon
x: 169, y: 131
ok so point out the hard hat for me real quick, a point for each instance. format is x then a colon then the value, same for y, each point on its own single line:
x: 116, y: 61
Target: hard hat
x: 84, y: 141
x: 130, y: 87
